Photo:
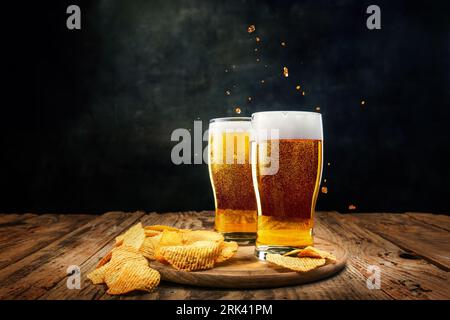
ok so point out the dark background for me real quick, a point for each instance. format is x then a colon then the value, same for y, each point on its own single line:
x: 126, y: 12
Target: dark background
x: 87, y: 115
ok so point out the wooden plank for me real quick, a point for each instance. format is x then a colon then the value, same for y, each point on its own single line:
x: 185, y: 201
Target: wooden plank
x: 437, y: 220
x: 37, y: 273
x: 401, y: 278
x: 349, y: 284
x: 6, y: 220
x: 423, y: 239
x: 25, y: 235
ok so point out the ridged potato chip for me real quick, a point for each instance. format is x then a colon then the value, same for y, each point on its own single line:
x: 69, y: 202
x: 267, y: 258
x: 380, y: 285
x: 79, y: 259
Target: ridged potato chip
x: 104, y: 260
x: 171, y: 238
x: 120, y: 256
x: 201, y: 235
x: 134, y: 276
x: 134, y: 237
x: 200, y: 255
x: 109, y: 272
x: 160, y: 228
x: 125, y: 268
x: 226, y: 251
x: 311, y: 252
x: 97, y: 276
x: 152, y: 233
x: 293, y: 252
x: 296, y: 264
x: 148, y: 248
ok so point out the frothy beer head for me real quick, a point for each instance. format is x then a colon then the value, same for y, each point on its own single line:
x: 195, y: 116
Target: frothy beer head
x: 287, y: 125
x: 229, y: 125
x: 229, y: 140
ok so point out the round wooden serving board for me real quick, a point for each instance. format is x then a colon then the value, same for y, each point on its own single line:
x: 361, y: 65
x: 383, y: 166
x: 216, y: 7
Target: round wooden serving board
x: 245, y: 271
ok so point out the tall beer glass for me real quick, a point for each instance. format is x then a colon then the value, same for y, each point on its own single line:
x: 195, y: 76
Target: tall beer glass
x: 231, y: 178
x: 287, y: 150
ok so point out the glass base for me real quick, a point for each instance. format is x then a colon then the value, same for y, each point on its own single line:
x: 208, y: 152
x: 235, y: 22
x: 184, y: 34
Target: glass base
x: 261, y: 251
x: 242, y: 238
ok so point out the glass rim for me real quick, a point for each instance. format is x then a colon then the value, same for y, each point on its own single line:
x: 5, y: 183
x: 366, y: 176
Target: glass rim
x: 312, y: 113
x: 225, y: 119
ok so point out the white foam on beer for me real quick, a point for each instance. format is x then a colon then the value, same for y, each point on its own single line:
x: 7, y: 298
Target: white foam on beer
x: 231, y: 126
x: 289, y: 124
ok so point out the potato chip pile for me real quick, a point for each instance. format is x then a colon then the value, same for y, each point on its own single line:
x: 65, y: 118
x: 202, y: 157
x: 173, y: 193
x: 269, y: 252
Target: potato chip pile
x: 302, y: 260
x: 125, y: 268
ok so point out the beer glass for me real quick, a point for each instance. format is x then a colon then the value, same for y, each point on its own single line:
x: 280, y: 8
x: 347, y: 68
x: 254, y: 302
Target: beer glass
x: 231, y: 178
x: 287, y: 150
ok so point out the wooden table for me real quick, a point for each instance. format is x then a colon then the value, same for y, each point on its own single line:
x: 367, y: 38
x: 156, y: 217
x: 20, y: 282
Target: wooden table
x: 412, y: 251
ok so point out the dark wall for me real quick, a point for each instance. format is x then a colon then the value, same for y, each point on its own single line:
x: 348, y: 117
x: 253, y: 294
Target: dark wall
x: 89, y: 114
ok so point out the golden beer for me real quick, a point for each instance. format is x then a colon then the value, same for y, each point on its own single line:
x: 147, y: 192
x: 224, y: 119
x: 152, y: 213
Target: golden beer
x: 286, y: 196
x: 231, y: 178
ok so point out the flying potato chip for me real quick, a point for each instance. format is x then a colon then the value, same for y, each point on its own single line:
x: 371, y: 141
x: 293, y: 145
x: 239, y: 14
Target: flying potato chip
x: 226, y: 251
x: 200, y: 255
x: 148, y: 248
x: 160, y: 228
x: 311, y: 252
x: 296, y: 264
x: 134, y: 276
